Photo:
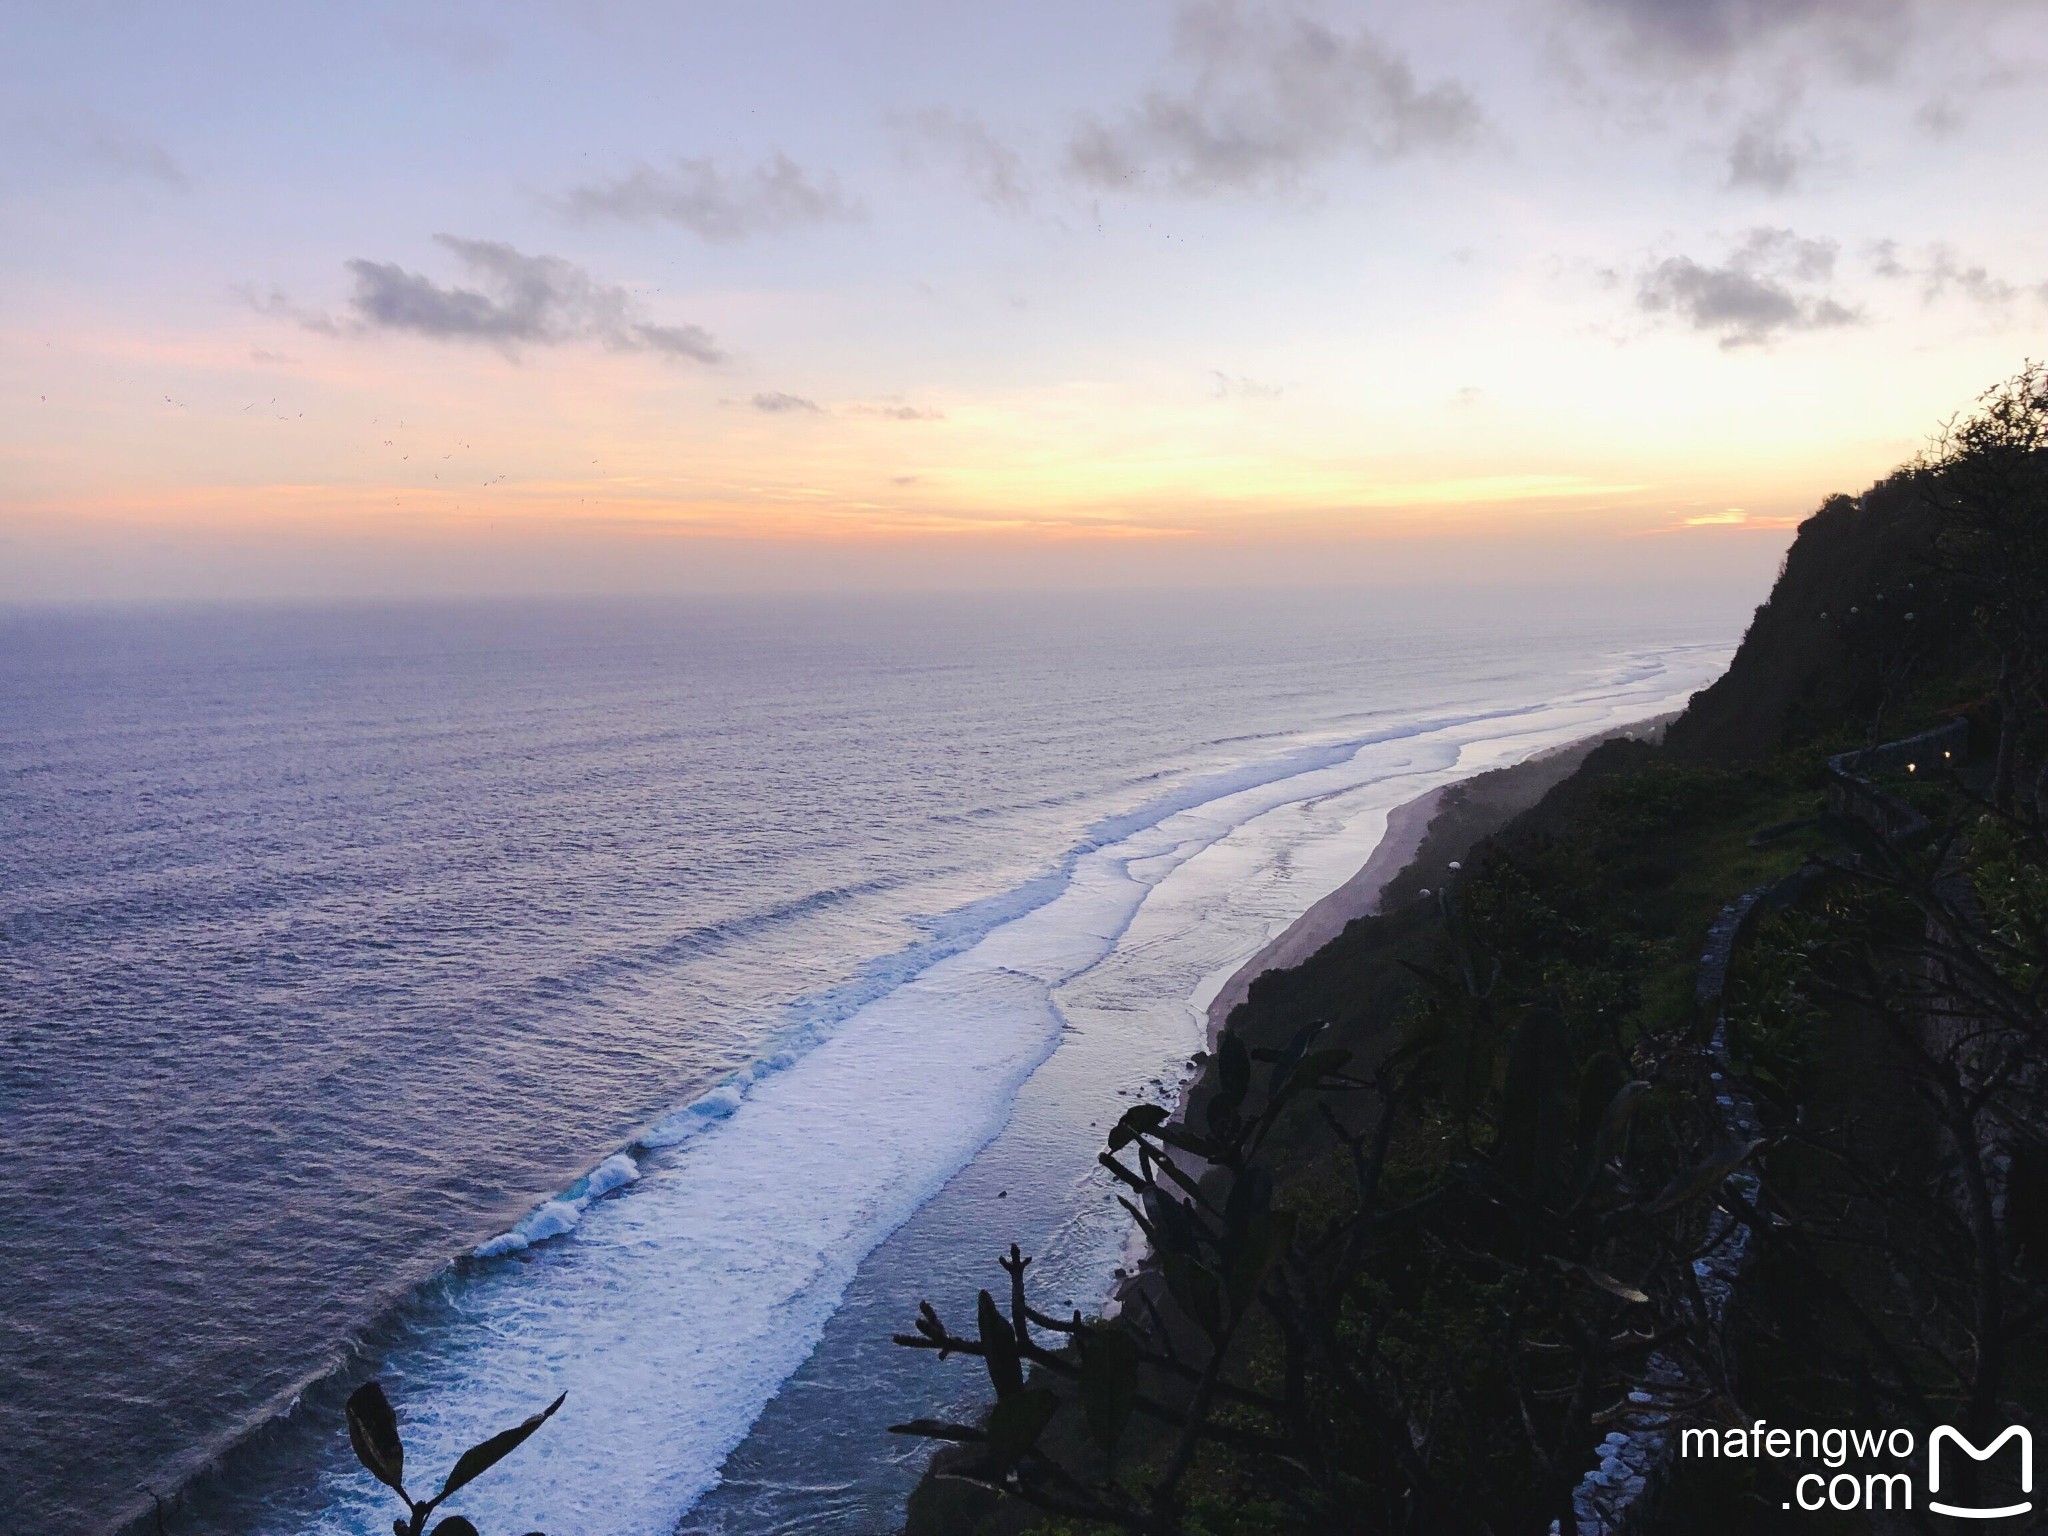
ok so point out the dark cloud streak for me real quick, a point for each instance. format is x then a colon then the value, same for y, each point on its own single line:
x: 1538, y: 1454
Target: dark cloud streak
x: 716, y: 205
x: 1940, y: 272
x: 1236, y: 386
x: 991, y: 167
x: 1754, y: 295
x: 1864, y: 36
x: 896, y: 412
x: 1764, y: 159
x: 517, y: 300
x: 1267, y: 95
x: 112, y: 148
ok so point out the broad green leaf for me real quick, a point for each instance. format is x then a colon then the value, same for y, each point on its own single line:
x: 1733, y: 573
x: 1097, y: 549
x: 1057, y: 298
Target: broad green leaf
x: 1195, y: 1289
x: 1180, y: 1136
x: 1707, y: 1175
x: 1264, y: 1245
x: 1223, y: 1117
x: 1251, y: 1196
x: 1016, y: 1423
x: 1109, y: 1382
x: 1317, y: 1065
x: 1233, y: 1067
x: 1137, y: 1119
x: 939, y: 1429
x: 479, y: 1459
x: 1606, y: 1282
x: 1286, y: 1060
x: 373, y: 1431
x: 999, y: 1338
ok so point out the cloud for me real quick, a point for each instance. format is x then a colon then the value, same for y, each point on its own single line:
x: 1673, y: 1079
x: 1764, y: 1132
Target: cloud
x: 1754, y: 295
x: 127, y: 153
x: 1939, y: 117
x: 1266, y: 95
x: 1762, y: 157
x: 776, y: 403
x: 1233, y: 386
x: 1866, y: 37
x: 110, y: 147
x: 276, y: 302
x: 1945, y: 273
x: 776, y: 195
x: 988, y: 165
x: 1940, y: 272
x: 896, y: 412
x: 517, y: 299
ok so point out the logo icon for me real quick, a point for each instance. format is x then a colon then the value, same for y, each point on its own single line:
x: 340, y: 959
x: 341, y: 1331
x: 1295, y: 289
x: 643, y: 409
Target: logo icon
x: 1964, y: 1512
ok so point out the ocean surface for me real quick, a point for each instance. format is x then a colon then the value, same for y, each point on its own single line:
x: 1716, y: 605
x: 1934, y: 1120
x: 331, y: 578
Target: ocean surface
x: 648, y: 1001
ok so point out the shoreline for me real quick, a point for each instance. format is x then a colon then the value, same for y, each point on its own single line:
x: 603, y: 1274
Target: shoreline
x: 1427, y: 832
x: 1407, y: 825
x: 1436, y: 827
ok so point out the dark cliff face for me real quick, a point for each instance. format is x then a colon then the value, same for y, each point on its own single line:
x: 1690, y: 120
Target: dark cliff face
x: 1807, y: 656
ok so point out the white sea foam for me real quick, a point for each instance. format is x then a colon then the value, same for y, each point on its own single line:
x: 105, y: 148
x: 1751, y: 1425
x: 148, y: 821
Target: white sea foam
x: 675, y: 1310
x: 564, y: 1213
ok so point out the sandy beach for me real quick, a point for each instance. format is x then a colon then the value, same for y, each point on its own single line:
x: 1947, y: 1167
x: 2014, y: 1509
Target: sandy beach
x: 1423, y: 834
x: 1407, y: 825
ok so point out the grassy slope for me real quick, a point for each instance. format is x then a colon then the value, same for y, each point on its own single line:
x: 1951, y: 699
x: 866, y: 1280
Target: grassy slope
x: 1596, y: 901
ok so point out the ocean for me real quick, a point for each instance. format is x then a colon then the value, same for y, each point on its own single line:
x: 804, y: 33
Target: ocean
x: 651, y: 1001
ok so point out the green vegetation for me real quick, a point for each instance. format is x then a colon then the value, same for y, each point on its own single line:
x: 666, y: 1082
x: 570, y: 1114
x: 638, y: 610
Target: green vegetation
x: 1434, y: 1207
x: 373, y: 1432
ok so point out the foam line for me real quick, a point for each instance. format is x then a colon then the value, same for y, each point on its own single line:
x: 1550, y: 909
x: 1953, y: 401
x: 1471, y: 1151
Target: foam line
x: 672, y: 1310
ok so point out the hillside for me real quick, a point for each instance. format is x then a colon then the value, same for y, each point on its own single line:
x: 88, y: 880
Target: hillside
x: 1459, y: 1172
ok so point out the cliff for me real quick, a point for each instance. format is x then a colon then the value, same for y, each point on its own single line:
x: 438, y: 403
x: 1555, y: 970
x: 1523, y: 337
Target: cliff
x: 1486, y: 1121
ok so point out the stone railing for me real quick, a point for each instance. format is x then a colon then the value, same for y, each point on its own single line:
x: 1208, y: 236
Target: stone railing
x: 1637, y: 1457
x: 1639, y: 1452
x: 1851, y: 793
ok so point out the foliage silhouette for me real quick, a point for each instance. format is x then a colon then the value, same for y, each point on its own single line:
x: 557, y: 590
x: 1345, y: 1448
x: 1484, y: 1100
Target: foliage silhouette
x: 373, y: 1432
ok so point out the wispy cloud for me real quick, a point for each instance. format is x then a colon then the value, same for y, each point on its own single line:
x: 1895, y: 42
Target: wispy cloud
x: 776, y: 403
x: 1763, y: 156
x: 1941, y: 273
x: 111, y: 148
x: 1866, y: 37
x: 1235, y: 386
x: 515, y: 300
x: 1263, y: 96
x: 1759, y: 291
x: 896, y: 412
x: 971, y: 149
x: 718, y: 205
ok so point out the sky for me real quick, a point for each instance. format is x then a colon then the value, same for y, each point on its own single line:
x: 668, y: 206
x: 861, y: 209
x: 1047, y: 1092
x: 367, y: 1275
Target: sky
x: 325, y: 301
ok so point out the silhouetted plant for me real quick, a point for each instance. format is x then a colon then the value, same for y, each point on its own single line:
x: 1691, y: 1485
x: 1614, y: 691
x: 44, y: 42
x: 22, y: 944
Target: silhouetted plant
x: 373, y: 1431
x: 1437, y: 1345
x: 1265, y: 1337
x: 1926, y: 945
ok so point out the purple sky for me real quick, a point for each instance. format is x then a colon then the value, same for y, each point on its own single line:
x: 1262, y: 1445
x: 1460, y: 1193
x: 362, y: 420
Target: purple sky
x: 307, y: 300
